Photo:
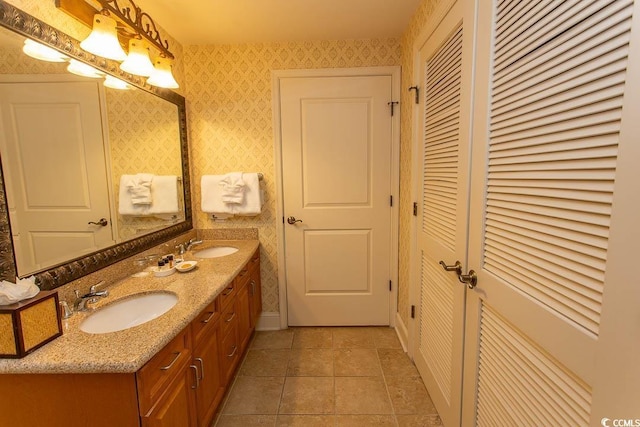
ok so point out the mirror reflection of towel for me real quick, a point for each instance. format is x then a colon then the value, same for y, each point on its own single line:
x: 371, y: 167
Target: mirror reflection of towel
x: 139, y: 187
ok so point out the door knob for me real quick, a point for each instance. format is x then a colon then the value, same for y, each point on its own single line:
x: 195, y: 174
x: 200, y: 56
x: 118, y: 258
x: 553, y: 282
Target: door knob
x: 471, y: 279
x: 293, y: 220
x: 102, y: 222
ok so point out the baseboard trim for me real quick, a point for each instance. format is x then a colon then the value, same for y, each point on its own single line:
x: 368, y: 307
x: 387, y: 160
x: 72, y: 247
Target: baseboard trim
x: 268, y: 321
x: 403, y: 333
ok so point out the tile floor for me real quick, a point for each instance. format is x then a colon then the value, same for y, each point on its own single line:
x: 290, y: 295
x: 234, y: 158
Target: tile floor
x: 327, y: 377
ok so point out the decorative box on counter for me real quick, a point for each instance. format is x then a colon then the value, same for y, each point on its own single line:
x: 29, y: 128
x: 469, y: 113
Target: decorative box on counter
x: 28, y: 325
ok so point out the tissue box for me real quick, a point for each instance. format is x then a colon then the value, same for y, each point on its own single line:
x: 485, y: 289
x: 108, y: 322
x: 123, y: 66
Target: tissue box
x: 28, y: 325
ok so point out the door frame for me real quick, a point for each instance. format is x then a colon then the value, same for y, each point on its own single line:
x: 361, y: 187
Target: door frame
x: 276, y: 76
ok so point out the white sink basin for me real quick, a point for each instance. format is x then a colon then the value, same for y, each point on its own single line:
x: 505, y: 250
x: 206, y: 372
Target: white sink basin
x: 129, y: 312
x: 216, y: 251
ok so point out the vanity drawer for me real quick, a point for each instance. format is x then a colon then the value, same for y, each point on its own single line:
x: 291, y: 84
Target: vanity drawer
x: 254, y: 262
x: 154, y: 377
x: 207, y: 318
x: 243, y: 276
x: 228, y: 319
x: 227, y: 295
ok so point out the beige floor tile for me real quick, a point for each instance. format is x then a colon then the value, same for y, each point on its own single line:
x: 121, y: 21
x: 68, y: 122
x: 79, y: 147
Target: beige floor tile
x: 409, y: 396
x: 353, y: 338
x: 419, y: 421
x: 366, y: 421
x: 312, y: 338
x: 265, y: 363
x: 386, y: 338
x: 362, y: 395
x: 272, y: 339
x: 356, y: 362
x: 316, y: 362
x: 246, y: 421
x: 305, y: 420
x: 308, y: 395
x: 254, y: 395
x: 396, y: 363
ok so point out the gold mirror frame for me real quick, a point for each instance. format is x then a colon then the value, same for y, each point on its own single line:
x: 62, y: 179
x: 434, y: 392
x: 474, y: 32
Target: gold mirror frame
x: 23, y: 23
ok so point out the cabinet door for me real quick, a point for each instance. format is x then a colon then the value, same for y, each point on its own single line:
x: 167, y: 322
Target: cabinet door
x: 210, y: 389
x: 244, y: 317
x: 229, y: 352
x: 176, y: 406
x: 255, y: 297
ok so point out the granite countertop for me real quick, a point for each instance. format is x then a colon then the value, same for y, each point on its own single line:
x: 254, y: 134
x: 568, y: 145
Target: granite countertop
x: 128, y: 350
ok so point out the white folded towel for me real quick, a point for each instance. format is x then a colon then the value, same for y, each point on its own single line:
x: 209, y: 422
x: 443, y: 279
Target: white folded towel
x: 139, y: 187
x: 211, y: 196
x: 164, y: 196
x: 233, y: 188
x: 164, y: 191
x: 252, y: 204
x: 125, y: 202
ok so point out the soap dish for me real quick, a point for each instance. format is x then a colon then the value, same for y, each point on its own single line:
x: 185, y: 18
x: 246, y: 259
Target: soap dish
x: 185, y: 266
x: 164, y: 272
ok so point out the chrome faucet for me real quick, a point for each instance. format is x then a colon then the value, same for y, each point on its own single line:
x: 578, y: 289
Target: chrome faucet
x: 192, y: 243
x: 92, y: 297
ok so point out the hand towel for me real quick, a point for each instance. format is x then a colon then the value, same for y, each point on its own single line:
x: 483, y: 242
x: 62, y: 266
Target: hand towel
x: 233, y: 188
x: 140, y: 189
x: 164, y: 193
x: 125, y: 204
x: 211, y: 197
x: 252, y: 204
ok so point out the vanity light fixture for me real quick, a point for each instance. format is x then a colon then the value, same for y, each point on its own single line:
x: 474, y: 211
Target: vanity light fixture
x: 84, y: 70
x: 138, y: 62
x: 44, y: 53
x: 162, y: 76
x: 103, y: 40
x: 115, y: 83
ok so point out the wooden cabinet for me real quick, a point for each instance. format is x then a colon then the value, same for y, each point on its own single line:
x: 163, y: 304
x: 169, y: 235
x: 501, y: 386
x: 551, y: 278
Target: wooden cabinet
x: 206, y: 359
x: 181, y: 386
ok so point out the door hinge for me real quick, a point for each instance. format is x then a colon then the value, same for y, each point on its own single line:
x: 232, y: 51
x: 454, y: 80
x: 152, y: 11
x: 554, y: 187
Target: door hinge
x: 392, y: 104
x: 415, y: 208
x: 390, y: 285
x: 390, y: 200
x: 413, y: 311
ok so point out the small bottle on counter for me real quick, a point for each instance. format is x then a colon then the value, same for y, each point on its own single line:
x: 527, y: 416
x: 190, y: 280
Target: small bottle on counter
x: 170, y: 258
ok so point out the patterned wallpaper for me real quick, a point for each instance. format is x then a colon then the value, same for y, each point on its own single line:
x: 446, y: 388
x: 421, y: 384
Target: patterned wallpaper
x: 230, y: 119
x: 416, y: 26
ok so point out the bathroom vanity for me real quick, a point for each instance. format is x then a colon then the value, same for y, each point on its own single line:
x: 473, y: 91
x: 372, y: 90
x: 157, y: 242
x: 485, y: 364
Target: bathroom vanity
x: 170, y: 371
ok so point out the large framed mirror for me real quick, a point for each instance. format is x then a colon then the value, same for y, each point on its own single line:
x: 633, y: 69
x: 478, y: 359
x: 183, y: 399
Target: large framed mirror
x: 139, y: 132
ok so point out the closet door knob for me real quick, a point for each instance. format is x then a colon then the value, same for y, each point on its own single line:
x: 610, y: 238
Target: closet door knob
x: 293, y: 220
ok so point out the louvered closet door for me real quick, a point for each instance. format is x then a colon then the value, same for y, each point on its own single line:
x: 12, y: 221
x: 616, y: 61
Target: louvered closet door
x: 548, y: 133
x: 446, y: 74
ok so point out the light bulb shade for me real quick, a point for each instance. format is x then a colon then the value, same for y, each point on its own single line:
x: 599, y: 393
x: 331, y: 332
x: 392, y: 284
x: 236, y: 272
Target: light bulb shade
x: 84, y: 70
x: 138, y: 62
x: 162, y: 76
x: 103, y: 40
x: 44, y: 53
x: 115, y: 83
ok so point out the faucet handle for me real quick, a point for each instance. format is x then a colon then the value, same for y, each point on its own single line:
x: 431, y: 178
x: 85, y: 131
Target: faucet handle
x: 94, y: 288
x: 66, y: 311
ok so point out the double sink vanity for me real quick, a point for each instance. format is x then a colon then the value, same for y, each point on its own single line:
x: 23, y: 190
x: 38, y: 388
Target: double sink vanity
x: 170, y: 370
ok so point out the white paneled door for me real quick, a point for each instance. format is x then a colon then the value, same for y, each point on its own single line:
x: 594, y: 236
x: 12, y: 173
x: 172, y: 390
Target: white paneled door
x: 553, y: 117
x: 56, y: 175
x: 336, y: 161
x: 445, y: 73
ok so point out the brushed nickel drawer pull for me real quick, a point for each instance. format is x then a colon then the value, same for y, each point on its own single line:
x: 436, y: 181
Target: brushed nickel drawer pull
x: 231, y: 318
x: 233, y: 353
x: 195, y: 369
x: 208, y: 319
x: 199, y: 359
x: 243, y: 272
x: 229, y: 290
x: 177, y: 356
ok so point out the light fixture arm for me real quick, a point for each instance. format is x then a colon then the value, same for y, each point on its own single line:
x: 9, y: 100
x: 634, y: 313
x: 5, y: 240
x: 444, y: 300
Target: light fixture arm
x: 139, y: 21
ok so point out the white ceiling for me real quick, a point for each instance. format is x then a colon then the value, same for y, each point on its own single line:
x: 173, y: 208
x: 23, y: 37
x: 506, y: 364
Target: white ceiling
x: 246, y: 21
